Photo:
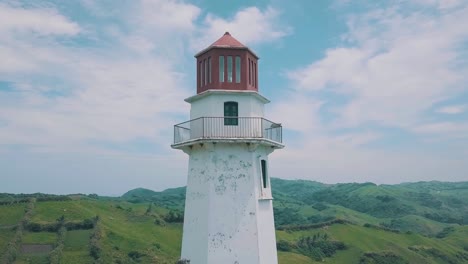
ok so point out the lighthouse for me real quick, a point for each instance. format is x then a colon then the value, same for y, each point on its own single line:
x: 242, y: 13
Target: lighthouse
x: 228, y: 208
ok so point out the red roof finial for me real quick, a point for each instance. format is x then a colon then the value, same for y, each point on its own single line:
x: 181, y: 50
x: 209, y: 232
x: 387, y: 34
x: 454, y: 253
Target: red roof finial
x: 227, y: 33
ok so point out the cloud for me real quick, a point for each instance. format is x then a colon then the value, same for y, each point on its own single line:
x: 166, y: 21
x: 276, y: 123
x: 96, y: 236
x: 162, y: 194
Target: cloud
x: 67, y: 97
x: 41, y: 21
x: 94, y: 84
x: 168, y: 15
x: 27, y: 38
x: 395, y: 63
x: 452, y: 109
x: 306, y: 121
x: 90, y: 90
x: 440, y: 4
x: 250, y: 26
x: 394, y: 66
x: 444, y: 128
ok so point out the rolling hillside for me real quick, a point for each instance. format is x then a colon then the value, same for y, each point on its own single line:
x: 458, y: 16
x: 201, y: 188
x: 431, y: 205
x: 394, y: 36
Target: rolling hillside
x: 316, y: 223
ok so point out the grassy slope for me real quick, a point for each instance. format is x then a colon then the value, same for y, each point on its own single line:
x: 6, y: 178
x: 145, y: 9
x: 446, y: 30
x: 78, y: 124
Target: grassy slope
x: 459, y: 237
x: 360, y: 239
x: 11, y: 214
x: 125, y: 225
x: 76, y: 247
x: 127, y: 228
x: 5, y: 237
x: 39, y: 238
x: 293, y: 258
x: 50, y: 211
x: 36, y: 238
x: 33, y: 259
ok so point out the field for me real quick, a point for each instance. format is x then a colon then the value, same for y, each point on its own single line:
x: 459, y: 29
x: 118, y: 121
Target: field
x: 11, y: 214
x: 426, y: 224
x: 5, y: 236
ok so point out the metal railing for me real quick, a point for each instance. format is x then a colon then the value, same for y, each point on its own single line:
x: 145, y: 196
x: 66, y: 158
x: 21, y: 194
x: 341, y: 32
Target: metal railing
x: 226, y: 128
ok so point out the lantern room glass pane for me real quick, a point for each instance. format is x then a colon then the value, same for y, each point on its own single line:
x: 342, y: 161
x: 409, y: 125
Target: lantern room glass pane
x: 238, y: 69
x: 206, y: 71
x: 255, y: 75
x: 250, y: 75
x: 221, y: 68
x: 229, y: 68
x: 200, y: 70
x: 209, y: 69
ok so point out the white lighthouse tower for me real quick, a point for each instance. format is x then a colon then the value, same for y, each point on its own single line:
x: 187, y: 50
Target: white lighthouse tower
x: 228, y: 209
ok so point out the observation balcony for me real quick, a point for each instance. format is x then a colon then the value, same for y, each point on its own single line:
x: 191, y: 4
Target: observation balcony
x: 228, y: 129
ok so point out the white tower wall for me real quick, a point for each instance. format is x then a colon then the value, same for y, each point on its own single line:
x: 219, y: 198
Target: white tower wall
x: 211, y: 103
x: 227, y: 210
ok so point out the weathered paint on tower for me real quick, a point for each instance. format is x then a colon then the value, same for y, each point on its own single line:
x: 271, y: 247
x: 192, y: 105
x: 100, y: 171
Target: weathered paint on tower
x: 228, y: 210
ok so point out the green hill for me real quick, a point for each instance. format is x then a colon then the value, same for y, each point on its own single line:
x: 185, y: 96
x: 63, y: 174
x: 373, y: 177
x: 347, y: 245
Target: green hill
x: 423, y: 222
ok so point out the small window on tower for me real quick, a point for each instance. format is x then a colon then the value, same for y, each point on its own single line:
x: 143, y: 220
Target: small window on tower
x: 231, y: 112
x: 238, y: 69
x: 229, y: 68
x: 264, y: 174
x: 221, y: 68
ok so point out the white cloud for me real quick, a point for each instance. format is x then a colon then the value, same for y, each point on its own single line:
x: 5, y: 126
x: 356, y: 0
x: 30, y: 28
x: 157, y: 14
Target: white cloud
x: 41, y: 21
x: 100, y: 96
x: 441, y: 4
x: 306, y: 121
x: 394, y: 65
x: 129, y: 87
x: 397, y: 67
x: 452, y: 109
x: 85, y: 94
x: 250, y: 26
x: 26, y: 37
x: 444, y: 128
x: 168, y: 15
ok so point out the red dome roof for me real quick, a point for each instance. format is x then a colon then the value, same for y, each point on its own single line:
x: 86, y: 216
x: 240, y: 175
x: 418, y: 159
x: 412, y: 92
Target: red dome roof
x: 227, y: 41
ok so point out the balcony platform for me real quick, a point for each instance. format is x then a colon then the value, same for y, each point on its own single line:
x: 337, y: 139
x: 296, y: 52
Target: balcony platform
x: 260, y: 141
x: 249, y: 130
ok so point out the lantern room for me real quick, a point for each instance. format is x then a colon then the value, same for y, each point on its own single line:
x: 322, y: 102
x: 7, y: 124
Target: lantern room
x: 227, y: 65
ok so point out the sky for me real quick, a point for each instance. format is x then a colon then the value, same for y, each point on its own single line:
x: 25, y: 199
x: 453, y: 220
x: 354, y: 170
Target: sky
x: 366, y: 91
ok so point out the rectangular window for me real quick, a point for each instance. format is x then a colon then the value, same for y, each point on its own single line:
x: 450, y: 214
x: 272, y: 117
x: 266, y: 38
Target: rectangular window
x: 200, y: 69
x: 238, y: 69
x: 231, y: 113
x: 255, y: 74
x: 229, y: 68
x: 264, y: 173
x: 209, y: 69
x: 250, y: 76
x: 206, y: 71
x: 221, y: 68
x: 251, y: 72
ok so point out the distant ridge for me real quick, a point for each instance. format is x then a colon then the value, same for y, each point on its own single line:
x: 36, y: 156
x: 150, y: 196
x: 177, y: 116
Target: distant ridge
x: 139, y: 192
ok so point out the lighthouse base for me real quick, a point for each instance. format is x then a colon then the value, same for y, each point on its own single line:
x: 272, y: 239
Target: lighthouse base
x: 228, y: 210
